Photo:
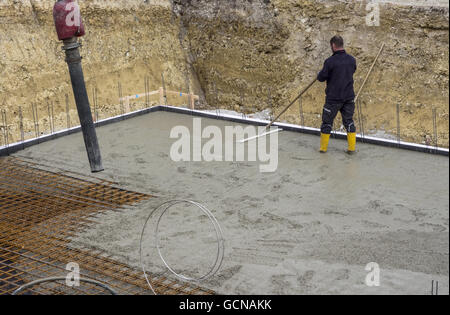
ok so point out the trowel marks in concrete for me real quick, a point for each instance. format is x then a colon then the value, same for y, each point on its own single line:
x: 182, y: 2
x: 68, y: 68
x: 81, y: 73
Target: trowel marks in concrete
x: 309, y: 228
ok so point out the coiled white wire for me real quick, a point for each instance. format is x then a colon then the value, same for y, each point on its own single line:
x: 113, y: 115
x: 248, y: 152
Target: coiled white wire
x: 53, y: 279
x: 220, y: 242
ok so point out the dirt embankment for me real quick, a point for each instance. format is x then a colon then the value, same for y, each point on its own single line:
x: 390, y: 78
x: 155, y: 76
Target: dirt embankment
x: 125, y: 41
x: 248, y: 48
x: 241, y: 49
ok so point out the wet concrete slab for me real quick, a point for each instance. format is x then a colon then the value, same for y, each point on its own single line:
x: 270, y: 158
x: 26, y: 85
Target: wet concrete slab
x: 311, y: 227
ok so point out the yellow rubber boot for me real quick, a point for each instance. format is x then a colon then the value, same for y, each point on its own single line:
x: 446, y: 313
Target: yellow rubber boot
x: 351, y: 137
x: 324, y: 139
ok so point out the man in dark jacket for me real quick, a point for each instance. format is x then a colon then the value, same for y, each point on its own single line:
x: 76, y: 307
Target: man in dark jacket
x: 338, y: 72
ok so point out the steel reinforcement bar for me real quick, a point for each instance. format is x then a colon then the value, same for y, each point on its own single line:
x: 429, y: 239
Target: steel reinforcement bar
x: 41, y: 210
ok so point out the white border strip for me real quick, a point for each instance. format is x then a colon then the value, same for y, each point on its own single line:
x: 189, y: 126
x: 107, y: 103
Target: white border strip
x: 60, y: 133
x: 392, y: 143
x: 43, y: 138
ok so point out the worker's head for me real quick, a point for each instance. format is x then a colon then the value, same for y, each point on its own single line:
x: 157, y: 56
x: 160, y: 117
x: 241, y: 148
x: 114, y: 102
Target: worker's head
x: 337, y: 43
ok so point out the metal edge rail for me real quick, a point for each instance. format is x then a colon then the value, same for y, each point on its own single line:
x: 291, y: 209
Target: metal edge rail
x: 15, y: 147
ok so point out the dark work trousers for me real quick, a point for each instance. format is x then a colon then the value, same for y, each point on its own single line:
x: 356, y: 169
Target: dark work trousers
x: 330, y: 112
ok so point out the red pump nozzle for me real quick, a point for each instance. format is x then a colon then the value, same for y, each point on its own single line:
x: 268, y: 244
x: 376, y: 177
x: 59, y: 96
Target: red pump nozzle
x: 68, y: 22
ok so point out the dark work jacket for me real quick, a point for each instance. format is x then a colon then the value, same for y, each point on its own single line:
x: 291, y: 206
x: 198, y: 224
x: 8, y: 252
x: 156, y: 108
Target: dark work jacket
x: 338, y: 71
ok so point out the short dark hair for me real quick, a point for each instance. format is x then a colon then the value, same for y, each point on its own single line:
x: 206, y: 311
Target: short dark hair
x: 338, y: 41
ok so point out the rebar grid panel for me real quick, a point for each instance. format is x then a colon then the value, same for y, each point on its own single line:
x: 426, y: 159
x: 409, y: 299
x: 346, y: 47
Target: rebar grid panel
x: 41, y: 210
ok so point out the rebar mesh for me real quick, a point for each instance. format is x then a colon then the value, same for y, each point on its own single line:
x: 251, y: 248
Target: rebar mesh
x: 41, y: 210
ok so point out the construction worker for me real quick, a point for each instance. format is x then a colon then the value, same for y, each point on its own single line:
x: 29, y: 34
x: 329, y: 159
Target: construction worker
x: 338, y: 72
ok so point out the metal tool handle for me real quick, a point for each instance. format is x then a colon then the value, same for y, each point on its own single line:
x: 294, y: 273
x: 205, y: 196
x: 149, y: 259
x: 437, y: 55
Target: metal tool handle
x: 292, y: 103
x: 368, y: 73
